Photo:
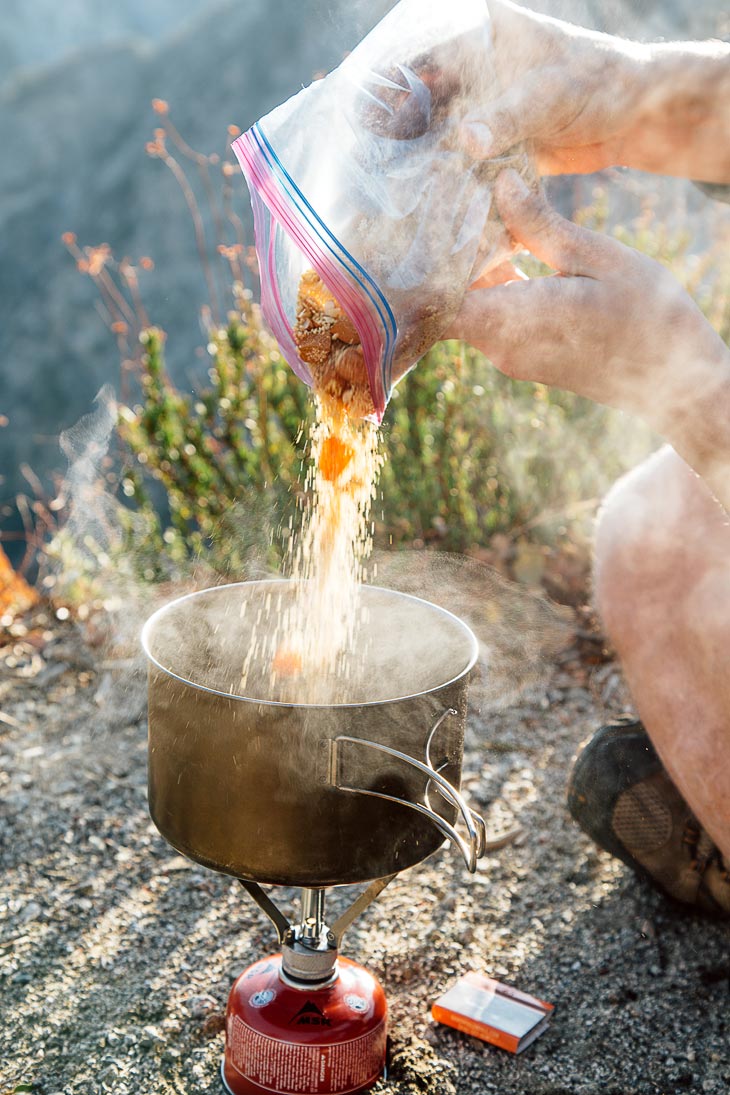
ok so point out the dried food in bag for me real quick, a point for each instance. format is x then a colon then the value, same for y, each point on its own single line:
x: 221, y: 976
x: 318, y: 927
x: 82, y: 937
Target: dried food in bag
x: 371, y: 217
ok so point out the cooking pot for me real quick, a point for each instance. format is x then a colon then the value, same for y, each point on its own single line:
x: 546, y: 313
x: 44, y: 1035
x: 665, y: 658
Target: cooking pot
x: 308, y: 794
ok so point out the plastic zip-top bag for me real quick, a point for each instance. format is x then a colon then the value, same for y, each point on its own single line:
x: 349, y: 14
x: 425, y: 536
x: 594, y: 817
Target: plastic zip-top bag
x: 371, y: 218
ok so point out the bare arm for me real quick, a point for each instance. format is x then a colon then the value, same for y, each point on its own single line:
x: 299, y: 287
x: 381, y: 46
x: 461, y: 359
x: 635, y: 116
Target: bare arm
x: 587, y: 100
x: 682, y: 123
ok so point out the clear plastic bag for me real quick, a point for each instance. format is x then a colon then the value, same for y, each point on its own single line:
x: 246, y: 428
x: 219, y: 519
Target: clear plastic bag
x: 364, y: 178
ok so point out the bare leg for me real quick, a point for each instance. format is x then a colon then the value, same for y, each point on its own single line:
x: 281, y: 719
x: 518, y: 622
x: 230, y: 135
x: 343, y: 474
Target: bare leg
x: 662, y: 581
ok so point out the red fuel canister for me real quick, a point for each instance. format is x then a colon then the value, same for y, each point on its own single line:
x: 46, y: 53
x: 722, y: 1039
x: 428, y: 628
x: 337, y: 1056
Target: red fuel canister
x: 293, y: 1038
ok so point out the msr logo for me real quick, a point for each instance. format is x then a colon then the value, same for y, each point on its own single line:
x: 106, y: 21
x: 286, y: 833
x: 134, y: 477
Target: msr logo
x: 309, y: 1015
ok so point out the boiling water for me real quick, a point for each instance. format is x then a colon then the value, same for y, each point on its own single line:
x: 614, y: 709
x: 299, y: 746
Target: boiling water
x: 402, y: 646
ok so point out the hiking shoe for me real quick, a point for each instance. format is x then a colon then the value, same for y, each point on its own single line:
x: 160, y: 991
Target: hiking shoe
x: 622, y: 797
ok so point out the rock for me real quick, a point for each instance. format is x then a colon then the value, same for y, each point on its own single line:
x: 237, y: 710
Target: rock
x: 200, y: 1006
x: 31, y: 912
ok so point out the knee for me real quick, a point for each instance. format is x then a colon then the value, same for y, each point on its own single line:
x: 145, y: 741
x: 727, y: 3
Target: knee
x: 642, y: 549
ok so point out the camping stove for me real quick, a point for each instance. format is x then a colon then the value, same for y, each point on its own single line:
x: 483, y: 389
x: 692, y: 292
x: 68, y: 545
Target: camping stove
x: 305, y: 1019
x: 308, y: 795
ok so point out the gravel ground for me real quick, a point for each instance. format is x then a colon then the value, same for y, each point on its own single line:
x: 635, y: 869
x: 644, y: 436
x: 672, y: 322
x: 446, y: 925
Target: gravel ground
x: 117, y: 954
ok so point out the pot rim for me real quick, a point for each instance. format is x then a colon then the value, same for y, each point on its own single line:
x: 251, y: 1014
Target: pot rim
x: 156, y: 616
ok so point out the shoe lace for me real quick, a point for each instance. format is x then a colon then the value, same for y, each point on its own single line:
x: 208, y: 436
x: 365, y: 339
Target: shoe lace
x: 703, y: 851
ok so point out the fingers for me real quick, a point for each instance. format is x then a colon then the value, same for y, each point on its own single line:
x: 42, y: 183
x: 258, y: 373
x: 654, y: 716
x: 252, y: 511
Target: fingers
x: 503, y: 274
x: 533, y: 222
x: 521, y: 113
x: 528, y: 329
x: 526, y: 114
x: 488, y: 318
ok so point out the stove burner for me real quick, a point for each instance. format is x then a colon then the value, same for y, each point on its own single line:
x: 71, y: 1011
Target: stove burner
x: 306, y: 1019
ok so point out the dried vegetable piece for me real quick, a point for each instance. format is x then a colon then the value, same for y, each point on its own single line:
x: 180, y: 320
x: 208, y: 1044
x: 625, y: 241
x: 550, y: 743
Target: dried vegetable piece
x: 344, y: 331
x: 315, y: 347
x: 329, y: 344
x: 334, y: 457
x: 286, y: 663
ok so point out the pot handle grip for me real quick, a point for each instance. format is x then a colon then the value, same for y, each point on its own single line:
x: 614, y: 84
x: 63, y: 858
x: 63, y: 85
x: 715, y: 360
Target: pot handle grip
x: 471, y: 848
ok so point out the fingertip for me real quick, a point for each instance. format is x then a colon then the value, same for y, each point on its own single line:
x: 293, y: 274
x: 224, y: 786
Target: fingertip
x: 488, y: 133
x: 511, y: 186
x: 535, y: 224
x: 478, y: 139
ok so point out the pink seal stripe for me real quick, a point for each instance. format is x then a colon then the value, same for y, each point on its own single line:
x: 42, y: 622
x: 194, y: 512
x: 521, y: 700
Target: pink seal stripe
x: 264, y: 183
x: 271, y: 303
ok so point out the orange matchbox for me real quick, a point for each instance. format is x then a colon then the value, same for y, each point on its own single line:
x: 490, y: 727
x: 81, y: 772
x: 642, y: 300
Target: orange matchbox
x: 485, y: 1008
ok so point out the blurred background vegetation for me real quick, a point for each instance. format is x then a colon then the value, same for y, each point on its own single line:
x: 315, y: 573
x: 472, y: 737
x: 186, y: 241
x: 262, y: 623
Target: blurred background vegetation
x: 206, y: 460
x: 507, y: 471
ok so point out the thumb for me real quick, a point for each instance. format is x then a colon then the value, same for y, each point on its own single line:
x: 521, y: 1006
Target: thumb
x: 532, y: 222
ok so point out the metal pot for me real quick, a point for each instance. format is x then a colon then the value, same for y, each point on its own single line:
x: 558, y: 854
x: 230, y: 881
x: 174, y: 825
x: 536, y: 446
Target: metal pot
x: 312, y: 794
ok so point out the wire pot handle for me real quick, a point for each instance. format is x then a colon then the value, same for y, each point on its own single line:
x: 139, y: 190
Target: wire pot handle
x: 472, y: 847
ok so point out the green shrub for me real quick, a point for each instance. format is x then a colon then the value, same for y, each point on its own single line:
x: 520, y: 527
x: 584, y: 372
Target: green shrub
x: 470, y: 453
x: 228, y: 459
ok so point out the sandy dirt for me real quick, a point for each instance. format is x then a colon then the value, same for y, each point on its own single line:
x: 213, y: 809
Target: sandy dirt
x: 117, y: 955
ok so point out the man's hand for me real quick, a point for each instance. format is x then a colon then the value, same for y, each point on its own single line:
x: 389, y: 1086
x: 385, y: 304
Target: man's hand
x: 612, y: 325
x: 586, y: 100
x: 569, y: 91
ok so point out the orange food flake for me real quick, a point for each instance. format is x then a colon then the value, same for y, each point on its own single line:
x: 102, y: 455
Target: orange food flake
x: 286, y: 663
x: 334, y: 457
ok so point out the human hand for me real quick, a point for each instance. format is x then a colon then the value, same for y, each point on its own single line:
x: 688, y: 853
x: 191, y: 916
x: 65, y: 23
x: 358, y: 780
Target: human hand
x: 612, y: 325
x: 585, y: 100
x: 569, y: 91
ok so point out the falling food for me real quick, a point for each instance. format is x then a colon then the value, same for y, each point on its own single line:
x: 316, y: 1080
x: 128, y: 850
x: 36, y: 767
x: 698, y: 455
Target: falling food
x: 314, y: 638
x: 286, y: 663
x: 334, y: 458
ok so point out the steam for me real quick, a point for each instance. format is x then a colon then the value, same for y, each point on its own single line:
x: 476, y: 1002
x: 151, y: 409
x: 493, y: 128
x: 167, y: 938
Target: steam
x: 99, y: 563
x: 96, y: 564
x: 519, y: 632
x: 90, y: 546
